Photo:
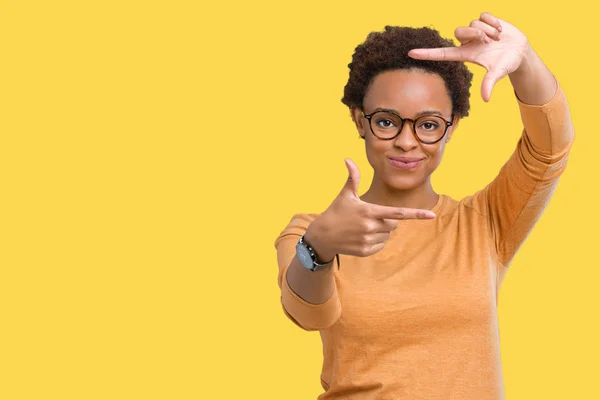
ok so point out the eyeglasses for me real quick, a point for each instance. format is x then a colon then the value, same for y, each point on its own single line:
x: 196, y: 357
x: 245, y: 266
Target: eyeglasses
x: 428, y: 129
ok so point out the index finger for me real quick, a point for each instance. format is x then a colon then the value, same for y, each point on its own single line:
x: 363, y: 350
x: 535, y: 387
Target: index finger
x: 438, y: 54
x: 385, y: 212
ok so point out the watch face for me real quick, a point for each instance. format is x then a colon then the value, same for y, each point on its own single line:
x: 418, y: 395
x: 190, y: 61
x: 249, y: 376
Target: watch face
x: 304, y: 256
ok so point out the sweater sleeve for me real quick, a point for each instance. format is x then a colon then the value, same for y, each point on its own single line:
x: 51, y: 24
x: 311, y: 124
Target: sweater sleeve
x: 306, y: 315
x: 514, y: 201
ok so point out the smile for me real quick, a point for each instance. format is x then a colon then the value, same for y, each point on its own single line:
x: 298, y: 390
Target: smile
x: 405, y: 164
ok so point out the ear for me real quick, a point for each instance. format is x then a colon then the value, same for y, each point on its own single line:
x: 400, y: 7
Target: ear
x: 451, y: 130
x: 359, y: 121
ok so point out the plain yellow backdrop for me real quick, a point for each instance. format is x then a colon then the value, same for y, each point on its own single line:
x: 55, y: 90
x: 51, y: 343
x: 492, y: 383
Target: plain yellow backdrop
x: 151, y: 152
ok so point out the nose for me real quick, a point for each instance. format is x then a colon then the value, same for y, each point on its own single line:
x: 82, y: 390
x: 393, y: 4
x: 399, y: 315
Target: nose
x: 406, y: 139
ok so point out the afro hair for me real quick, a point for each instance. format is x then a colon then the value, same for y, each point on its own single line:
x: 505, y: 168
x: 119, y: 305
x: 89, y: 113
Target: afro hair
x: 388, y: 50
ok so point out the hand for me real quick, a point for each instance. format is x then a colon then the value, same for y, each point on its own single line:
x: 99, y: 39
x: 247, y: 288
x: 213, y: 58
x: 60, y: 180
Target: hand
x: 490, y: 42
x: 354, y: 227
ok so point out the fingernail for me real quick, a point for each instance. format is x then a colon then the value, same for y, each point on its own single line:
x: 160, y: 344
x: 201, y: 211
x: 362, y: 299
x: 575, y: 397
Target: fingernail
x: 430, y: 214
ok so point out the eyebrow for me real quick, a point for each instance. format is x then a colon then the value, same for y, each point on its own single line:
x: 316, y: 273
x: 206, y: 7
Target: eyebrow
x: 420, y: 114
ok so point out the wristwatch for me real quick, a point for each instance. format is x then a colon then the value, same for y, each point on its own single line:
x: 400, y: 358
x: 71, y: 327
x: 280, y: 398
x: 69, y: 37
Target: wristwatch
x: 307, y: 256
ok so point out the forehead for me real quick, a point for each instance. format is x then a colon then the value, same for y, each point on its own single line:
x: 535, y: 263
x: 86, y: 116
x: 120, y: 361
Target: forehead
x: 409, y: 92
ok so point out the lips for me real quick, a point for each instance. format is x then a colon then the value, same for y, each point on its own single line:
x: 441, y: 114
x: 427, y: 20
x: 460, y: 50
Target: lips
x: 405, y: 163
x: 406, y: 159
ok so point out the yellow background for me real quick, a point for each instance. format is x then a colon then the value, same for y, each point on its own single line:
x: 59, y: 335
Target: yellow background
x: 151, y: 152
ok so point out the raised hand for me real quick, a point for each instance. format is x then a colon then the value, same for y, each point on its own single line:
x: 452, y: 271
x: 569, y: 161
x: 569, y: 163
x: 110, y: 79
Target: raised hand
x: 490, y: 42
x: 354, y: 227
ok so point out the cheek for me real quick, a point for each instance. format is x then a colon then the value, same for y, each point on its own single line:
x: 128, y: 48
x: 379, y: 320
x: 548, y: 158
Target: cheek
x: 376, y: 152
x: 435, y: 157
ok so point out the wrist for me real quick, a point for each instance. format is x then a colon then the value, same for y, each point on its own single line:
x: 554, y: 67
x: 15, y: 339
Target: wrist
x: 526, y: 62
x: 532, y: 82
x: 315, y: 238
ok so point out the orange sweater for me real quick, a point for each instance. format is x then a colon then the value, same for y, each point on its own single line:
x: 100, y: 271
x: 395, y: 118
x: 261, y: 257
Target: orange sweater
x: 418, y: 320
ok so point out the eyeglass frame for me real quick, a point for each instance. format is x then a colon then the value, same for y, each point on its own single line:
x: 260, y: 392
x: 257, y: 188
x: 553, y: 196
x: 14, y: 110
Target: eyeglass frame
x: 413, y: 130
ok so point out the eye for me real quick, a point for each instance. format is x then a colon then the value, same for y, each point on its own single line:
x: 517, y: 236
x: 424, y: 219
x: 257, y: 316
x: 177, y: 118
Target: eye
x: 429, y: 125
x: 384, y: 123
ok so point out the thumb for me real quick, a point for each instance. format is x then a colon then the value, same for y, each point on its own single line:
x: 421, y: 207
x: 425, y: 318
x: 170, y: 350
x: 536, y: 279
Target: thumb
x: 353, y: 177
x: 487, y: 85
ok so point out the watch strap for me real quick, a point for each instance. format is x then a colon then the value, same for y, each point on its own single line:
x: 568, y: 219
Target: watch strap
x: 316, y: 262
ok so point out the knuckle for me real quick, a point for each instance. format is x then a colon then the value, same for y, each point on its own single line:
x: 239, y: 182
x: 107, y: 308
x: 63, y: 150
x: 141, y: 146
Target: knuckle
x: 373, y: 226
x: 366, y: 250
x: 368, y: 227
x: 364, y: 226
x: 360, y: 252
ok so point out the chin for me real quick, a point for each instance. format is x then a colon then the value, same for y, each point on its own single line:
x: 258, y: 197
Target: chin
x: 405, y: 181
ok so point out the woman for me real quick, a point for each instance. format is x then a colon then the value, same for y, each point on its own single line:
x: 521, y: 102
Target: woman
x: 402, y: 282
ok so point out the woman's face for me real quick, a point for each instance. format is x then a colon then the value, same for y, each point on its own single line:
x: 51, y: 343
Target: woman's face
x: 404, y: 163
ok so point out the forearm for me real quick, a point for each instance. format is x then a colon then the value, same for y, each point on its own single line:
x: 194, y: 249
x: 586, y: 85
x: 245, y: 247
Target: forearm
x: 313, y: 287
x: 544, y: 108
x: 317, y: 286
x: 309, y: 299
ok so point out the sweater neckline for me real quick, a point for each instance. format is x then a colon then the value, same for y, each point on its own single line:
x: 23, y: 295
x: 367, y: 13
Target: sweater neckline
x: 440, y: 204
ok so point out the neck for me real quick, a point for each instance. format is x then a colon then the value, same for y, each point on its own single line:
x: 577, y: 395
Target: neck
x: 422, y: 197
